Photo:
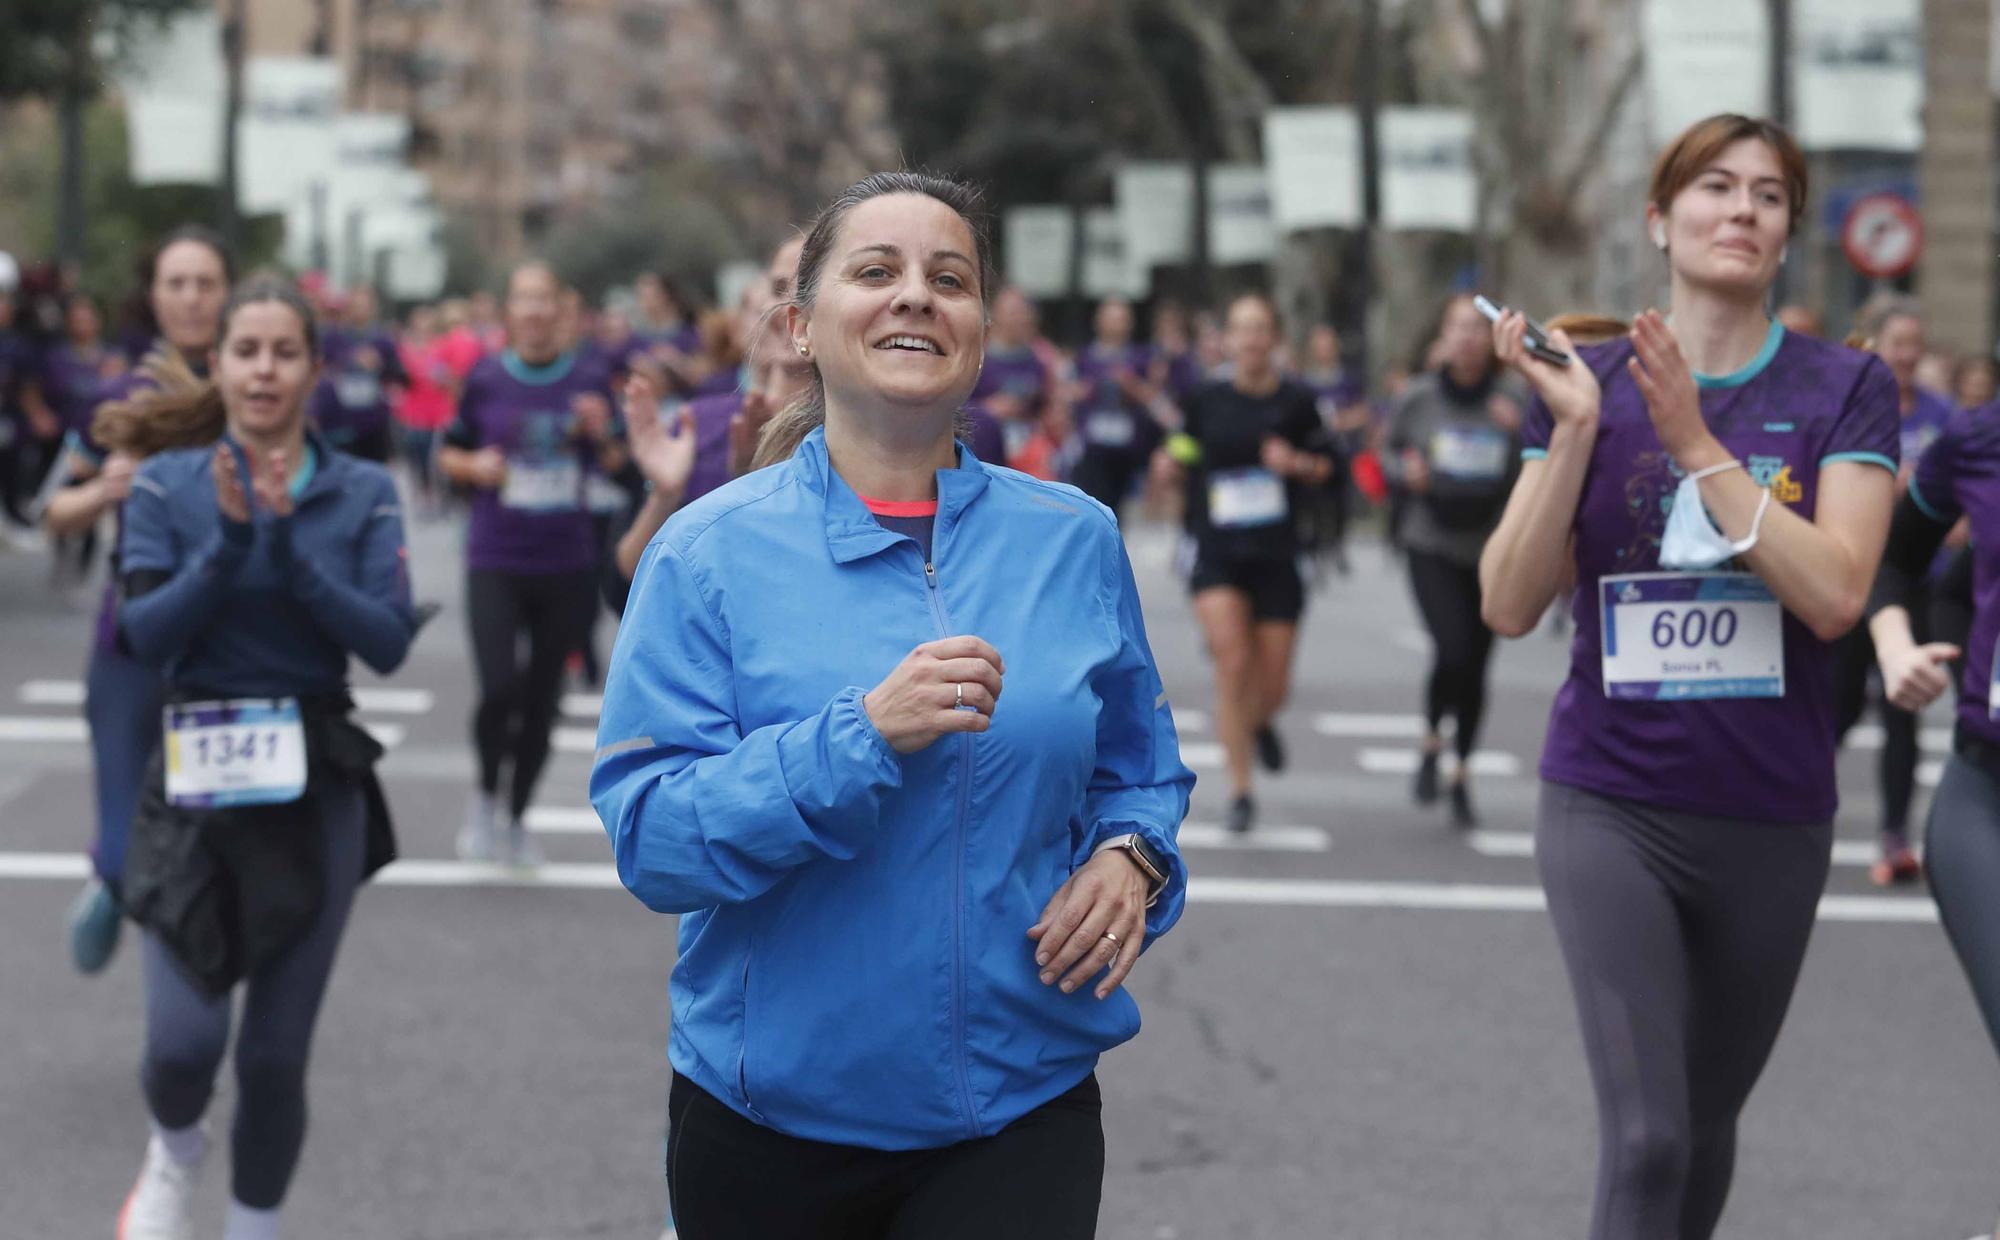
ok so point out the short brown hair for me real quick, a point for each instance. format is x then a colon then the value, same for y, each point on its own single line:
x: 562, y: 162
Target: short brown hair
x: 1701, y: 143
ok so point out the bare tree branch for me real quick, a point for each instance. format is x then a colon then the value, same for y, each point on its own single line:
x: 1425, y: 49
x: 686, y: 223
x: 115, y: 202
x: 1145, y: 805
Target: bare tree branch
x: 1587, y: 155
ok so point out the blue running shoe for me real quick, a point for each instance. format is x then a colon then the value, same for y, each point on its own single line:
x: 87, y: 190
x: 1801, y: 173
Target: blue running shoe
x: 94, y: 924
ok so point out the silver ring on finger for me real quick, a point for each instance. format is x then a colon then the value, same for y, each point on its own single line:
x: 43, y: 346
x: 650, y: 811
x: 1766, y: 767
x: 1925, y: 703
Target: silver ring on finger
x: 1113, y: 940
x: 959, y: 691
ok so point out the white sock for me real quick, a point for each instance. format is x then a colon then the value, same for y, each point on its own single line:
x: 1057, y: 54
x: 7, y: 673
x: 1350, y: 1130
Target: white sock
x: 184, y: 1145
x: 248, y: 1224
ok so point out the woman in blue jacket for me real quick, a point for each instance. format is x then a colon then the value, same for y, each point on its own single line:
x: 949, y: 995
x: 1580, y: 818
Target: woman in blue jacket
x: 907, y: 910
x: 253, y: 570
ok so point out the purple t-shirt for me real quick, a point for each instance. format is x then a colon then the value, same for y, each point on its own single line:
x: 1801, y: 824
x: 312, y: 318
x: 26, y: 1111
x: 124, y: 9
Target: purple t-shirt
x: 1109, y: 421
x: 1800, y: 405
x: 1959, y: 475
x: 1019, y: 374
x: 74, y: 382
x: 538, y: 522
x: 712, y: 415
x: 351, y: 402
x: 1924, y: 423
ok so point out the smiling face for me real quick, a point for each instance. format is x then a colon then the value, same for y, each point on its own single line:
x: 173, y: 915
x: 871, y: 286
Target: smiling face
x: 897, y: 318
x: 1726, y: 229
x: 265, y: 368
x: 189, y: 287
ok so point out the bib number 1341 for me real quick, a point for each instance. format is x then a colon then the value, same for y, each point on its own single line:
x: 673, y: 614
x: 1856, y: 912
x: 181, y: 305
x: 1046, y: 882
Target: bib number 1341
x: 1682, y: 636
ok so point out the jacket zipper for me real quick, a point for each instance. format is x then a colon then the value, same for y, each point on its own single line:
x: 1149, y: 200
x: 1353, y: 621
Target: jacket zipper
x: 958, y: 887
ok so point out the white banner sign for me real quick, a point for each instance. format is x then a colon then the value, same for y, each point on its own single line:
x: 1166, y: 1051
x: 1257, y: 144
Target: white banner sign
x: 288, y: 136
x: 173, y: 104
x: 1239, y: 215
x: 1858, y: 74
x: 1427, y: 179
x: 1037, y: 241
x: 1105, y: 272
x: 1156, y: 212
x: 1704, y: 57
x: 1313, y: 158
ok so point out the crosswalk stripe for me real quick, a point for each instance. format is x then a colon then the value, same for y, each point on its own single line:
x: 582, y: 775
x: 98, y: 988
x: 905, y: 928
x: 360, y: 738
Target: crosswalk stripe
x: 582, y: 705
x: 1265, y: 892
x: 1490, y: 762
x: 52, y: 693
x: 1387, y: 727
x: 43, y: 730
x: 1870, y: 736
x: 1856, y: 854
x: 380, y: 700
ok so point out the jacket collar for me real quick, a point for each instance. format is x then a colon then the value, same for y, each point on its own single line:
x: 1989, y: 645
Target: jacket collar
x: 852, y: 532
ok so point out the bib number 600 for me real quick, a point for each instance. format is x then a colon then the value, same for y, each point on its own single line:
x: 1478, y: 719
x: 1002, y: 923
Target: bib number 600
x: 1693, y: 627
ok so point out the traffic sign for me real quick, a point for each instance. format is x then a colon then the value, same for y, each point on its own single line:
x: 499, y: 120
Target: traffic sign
x: 1882, y: 236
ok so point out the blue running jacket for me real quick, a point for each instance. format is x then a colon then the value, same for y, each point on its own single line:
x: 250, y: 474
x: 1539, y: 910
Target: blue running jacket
x: 854, y: 959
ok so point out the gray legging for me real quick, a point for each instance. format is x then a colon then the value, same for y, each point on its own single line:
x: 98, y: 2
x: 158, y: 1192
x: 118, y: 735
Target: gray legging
x: 187, y: 1031
x: 1963, y: 859
x: 1683, y: 935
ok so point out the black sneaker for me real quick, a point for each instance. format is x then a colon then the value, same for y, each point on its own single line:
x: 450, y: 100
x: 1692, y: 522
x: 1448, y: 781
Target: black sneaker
x: 1462, y: 816
x: 1270, y: 749
x: 1241, y: 811
x: 1426, y: 789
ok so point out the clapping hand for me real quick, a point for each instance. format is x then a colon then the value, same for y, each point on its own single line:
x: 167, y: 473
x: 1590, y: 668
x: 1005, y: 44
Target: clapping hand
x: 665, y: 456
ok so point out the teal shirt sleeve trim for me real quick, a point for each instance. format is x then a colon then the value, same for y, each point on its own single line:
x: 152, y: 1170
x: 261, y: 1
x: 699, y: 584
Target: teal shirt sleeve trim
x: 1917, y: 497
x: 1534, y: 454
x: 1869, y: 458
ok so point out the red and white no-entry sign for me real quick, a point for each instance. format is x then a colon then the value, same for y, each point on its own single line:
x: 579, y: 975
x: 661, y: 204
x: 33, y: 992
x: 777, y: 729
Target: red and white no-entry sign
x: 1883, y: 236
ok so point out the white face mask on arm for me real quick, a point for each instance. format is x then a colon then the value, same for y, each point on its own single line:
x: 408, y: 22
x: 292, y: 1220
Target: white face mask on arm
x: 1691, y: 541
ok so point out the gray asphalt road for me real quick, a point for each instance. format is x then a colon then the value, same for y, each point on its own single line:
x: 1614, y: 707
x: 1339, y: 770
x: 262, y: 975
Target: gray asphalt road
x: 1360, y: 1029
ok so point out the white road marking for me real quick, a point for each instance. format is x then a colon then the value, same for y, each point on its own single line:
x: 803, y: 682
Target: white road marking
x: 1387, y: 727
x: 378, y: 700
x: 52, y: 693
x: 43, y: 731
x: 1207, y: 836
x: 564, y: 820
x: 1847, y: 853
x: 1190, y: 719
x: 1202, y: 753
x: 582, y: 705
x: 389, y: 734
x: 1490, y: 762
x: 1869, y: 736
x: 574, y: 740
x: 1281, y: 893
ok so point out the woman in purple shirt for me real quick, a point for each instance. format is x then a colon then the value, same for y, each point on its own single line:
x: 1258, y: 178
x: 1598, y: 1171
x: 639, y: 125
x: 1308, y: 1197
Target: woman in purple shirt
x: 1715, y: 495
x: 534, y: 424
x: 1117, y: 383
x: 1959, y: 476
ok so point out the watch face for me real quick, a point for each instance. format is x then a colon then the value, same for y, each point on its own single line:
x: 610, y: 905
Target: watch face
x: 1150, y: 855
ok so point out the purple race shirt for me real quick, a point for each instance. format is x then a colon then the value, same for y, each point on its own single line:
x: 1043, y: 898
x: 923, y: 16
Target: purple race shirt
x: 1921, y: 427
x: 351, y: 403
x: 712, y: 416
x: 1801, y: 405
x: 1959, y: 476
x: 538, y: 522
x: 1108, y: 420
x: 1019, y: 375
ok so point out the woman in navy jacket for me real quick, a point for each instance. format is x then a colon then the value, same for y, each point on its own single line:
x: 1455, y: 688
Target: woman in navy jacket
x: 253, y: 570
x: 907, y: 910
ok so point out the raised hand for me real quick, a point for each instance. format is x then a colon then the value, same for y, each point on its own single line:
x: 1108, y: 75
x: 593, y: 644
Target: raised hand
x: 1571, y: 392
x: 230, y: 497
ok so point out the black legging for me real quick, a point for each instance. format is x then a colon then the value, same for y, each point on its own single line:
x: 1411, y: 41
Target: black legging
x: 1107, y: 476
x: 1683, y: 935
x: 187, y: 1030
x: 1448, y: 596
x: 517, y: 705
x: 1962, y: 858
x: 1040, y: 1176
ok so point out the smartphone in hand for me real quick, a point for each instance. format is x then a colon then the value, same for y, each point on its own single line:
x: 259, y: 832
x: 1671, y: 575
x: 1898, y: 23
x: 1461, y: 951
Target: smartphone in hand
x: 1537, y: 337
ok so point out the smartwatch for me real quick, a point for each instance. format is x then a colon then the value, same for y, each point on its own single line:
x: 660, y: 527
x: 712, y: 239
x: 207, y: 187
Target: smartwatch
x: 1151, y: 862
